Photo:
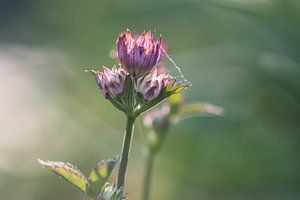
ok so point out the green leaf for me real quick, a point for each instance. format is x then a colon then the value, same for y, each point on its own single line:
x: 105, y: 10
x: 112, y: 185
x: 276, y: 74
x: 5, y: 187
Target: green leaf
x: 100, y: 173
x: 198, y: 109
x: 69, y: 173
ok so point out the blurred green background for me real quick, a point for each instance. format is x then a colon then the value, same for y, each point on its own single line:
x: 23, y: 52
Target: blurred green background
x: 242, y: 55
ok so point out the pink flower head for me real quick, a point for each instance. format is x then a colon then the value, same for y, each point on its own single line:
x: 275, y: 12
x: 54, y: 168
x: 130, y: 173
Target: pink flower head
x: 110, y: 82
x: 151, y: 85
x: 138, y: 54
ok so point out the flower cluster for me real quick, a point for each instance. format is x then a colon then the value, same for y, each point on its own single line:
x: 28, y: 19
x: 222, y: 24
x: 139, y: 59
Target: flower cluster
x: 138, y: 83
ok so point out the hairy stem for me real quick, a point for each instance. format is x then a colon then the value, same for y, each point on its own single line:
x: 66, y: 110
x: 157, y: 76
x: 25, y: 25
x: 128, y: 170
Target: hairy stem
x: 148, y: 175
x: 125, y: 151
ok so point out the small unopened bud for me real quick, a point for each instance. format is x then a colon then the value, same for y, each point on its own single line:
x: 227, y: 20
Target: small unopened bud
x: 110, y: 192
x: 110, y: 82
x: 151, y: 85
x: 159, y: 120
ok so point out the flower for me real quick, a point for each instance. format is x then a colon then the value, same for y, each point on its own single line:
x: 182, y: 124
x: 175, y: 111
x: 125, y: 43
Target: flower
x: 151, y: 85
x: 141, y: 81
x: 110, y: 82
x: 138, y: 54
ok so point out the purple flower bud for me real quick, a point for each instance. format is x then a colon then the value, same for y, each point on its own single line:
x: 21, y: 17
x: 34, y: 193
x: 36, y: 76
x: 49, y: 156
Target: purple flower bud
x: 138, y: 54
x: 110, y: 82
x: 151, y: 85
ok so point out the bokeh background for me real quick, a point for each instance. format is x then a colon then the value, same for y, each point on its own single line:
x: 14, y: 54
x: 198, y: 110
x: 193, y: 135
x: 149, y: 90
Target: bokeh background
x: 242, y: 55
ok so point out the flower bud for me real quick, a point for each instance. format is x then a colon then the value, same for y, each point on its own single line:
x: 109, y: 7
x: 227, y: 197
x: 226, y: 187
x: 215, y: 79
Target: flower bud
x: 151, y: 85
x: 138, y: 54
x: 110, y: 82
x: 159, y: 120
x: 110, y: 192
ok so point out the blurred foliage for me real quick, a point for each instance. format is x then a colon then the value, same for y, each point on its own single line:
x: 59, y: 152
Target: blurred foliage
x: 240, y: 54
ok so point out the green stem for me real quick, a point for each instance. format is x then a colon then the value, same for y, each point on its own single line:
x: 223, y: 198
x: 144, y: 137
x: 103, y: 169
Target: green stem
x: 125, y: 151
x: 148, y: 175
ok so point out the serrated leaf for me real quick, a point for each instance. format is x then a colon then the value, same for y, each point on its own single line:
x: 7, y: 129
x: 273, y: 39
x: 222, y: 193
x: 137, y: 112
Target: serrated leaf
x: 100, y: 173
x: 69, y: 173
